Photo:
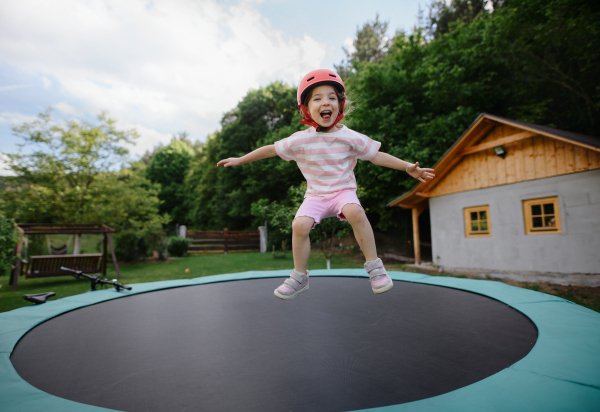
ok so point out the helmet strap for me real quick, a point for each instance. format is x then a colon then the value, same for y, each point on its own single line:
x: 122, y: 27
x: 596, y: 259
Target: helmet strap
x: 310, y: 121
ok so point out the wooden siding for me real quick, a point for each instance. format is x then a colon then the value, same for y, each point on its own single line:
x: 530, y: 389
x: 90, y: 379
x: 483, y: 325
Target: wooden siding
x: 532, y: 158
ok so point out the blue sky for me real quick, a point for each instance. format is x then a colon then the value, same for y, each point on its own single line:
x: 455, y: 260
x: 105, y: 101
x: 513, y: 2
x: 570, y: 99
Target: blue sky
x: 165, y: 66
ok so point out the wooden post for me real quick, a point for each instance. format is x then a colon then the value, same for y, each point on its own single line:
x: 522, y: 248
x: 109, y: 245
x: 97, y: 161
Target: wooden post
x: 14, y: 277
x: 114, y: 257
x: 225, y: 235
x: 416, y: 240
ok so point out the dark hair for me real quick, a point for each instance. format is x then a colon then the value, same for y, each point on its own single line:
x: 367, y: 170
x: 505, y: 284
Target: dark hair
x: 308, y: 94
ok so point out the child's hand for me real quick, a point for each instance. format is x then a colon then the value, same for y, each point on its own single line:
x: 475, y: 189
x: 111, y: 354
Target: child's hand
x: 232, y: 161
x: 420, y: 174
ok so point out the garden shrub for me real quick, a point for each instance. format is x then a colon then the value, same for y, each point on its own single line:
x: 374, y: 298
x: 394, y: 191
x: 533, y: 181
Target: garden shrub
x: 127, y: 246
x: 178, y: 246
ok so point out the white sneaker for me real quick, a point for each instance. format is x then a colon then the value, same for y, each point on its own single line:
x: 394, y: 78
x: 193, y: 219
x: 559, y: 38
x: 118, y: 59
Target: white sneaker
x: 380, y: 280
x: 296, y: 283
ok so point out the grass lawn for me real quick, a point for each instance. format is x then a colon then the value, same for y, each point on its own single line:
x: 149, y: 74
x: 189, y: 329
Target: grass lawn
x: 207, y: 265
x: 152, y: 271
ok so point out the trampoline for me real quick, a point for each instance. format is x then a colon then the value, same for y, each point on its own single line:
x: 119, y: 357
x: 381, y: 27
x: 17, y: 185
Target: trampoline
x: 224, y: 343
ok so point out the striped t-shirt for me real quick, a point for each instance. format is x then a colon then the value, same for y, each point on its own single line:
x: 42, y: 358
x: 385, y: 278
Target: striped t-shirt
x: 327, y: 160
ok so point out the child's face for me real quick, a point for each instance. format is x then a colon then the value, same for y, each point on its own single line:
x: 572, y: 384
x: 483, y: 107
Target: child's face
x: 323, y: 105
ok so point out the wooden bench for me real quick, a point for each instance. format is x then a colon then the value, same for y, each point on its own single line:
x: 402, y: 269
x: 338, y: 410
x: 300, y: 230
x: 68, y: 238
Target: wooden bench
x: 44, y: 266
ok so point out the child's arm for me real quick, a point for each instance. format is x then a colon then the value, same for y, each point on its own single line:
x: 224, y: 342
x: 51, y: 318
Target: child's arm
x: 386, y: 160
x: 260, y: 153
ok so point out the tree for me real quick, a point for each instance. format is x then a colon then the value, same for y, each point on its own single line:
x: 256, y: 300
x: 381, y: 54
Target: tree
x: 442, y: 14
x: 184, y: 137
x: 553, y: 50
x: 67, y: 159
x: 370, y: 45
x: 168, y: 167
x: 8, y: 242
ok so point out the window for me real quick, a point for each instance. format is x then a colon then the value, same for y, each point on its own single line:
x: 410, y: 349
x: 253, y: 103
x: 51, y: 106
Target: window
x: 541, y: 216
x: 477, y: 221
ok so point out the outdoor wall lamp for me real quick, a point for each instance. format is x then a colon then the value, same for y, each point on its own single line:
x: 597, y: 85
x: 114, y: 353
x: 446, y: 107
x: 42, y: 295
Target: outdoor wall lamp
x: 499, y: 150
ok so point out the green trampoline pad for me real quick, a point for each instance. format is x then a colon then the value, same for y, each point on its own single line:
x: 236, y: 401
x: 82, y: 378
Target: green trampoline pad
x: 561, y: 373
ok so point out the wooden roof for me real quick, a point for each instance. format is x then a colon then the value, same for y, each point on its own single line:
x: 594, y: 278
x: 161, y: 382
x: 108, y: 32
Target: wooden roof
x: 533, y: 152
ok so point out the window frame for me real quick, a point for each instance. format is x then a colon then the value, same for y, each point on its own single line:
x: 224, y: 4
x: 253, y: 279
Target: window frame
x: 528, y: 216
x: 467, y: 217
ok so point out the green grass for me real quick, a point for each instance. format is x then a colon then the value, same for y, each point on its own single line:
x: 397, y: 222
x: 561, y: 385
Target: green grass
x: 152, y: 271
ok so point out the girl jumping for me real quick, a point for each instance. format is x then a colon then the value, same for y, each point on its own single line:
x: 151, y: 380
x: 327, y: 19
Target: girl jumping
x: 326, y: 154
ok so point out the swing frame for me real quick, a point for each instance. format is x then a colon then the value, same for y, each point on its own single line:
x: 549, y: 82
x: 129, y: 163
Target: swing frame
x: 93, y: 262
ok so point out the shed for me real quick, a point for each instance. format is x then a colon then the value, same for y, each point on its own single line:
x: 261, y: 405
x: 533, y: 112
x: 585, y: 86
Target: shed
x: 513, y: 196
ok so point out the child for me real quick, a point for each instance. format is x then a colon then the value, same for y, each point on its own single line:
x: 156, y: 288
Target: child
x: 326, y: 154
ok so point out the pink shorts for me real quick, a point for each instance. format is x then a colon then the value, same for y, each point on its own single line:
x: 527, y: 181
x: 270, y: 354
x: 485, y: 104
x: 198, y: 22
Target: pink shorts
x: 319, y: 208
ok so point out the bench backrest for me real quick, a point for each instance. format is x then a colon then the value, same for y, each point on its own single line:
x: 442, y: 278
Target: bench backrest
x: 41, y: 266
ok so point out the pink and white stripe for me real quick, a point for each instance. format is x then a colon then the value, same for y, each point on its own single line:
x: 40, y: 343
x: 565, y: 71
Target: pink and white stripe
x: 327, y: 160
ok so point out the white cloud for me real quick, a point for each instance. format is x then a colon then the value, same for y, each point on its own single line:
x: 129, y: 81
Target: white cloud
x: 15, y: 119
x: 13, y: 87
x: 164, y: 65
x: 47, y: 83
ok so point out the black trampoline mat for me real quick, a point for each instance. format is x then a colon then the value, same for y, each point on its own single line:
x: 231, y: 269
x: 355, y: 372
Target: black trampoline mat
x: 233, y: 346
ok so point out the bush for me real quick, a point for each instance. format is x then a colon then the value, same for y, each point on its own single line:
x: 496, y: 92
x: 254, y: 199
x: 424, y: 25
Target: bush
x: 8, y: 241
x: 127, y: 246
x: 178, y: 246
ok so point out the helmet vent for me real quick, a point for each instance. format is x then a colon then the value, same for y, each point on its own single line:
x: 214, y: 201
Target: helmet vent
x: 312, y: 78
x: 332, y: 75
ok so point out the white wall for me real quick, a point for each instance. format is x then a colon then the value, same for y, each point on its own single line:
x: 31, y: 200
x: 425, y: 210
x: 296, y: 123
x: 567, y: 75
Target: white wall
x: 575, y: 250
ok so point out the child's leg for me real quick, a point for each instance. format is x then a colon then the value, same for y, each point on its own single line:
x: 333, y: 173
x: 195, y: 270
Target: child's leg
x: 363, y: 232
x: 380, y: 280
x: 298, y: 280
x: 301, y: 242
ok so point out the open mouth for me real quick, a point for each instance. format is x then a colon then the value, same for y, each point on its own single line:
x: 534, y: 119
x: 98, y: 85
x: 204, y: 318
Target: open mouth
x: 326, y: 115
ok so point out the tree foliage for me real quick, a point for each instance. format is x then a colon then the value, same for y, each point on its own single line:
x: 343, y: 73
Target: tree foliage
x: 442, y: 14
x: 168, y: 167
x: 61, y: 162
x: 8, y: 242
x: 370, y: 43
x: 221, y: 197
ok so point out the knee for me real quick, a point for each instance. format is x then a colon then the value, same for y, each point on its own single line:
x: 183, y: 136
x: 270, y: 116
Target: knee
x: 301, y: 226
x: 354, y: 213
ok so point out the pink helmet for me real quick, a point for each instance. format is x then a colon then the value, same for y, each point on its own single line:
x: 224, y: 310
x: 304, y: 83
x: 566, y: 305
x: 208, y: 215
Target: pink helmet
x: 319, y: 78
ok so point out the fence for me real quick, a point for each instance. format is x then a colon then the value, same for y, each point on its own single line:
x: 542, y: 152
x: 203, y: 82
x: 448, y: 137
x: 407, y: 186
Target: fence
x: 224, y: 241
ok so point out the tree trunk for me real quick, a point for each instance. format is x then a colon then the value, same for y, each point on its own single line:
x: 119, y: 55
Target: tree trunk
x: 328, y: 264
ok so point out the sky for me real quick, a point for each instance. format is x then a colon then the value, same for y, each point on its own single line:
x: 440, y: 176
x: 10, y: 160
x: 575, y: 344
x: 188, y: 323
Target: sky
x: 167, y: 66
